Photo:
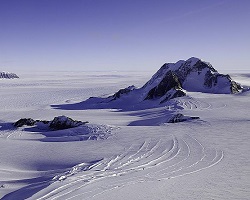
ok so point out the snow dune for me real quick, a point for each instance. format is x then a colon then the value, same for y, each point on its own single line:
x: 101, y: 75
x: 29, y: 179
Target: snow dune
x: 137, y: 156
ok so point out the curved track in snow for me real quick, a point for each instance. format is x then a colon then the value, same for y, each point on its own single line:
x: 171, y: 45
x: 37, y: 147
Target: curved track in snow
x: 151, y: 160
x: 195, y: 104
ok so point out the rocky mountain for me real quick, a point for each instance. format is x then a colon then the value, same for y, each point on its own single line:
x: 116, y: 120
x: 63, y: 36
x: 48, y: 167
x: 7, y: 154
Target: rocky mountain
x: 173, y: 79
x: 193, y: 75
x: 8, y: 75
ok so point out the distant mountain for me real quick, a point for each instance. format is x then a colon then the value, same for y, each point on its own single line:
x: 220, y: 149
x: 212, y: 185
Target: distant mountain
x: 8, y: 75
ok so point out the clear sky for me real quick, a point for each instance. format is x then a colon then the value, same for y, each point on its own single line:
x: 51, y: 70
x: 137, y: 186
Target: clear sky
x: 122, y: 34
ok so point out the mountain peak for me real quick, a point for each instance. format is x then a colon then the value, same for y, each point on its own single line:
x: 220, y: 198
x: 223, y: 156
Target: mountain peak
x: 194, y: 59
x: 195, y: 75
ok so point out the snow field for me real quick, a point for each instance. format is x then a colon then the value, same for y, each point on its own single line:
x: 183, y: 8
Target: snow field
x: 201, y: 159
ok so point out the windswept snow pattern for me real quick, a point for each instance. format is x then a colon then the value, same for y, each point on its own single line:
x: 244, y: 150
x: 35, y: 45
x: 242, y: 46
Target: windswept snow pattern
x: 125, y: 151
x: 151, y: 160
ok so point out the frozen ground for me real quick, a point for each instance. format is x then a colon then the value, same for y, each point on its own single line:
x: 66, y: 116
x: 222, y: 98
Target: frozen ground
x: 137, y: 155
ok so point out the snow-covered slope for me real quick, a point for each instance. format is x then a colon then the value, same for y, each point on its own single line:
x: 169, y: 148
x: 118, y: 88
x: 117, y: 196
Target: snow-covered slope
x: 8, y: 75
x: 133, y: 157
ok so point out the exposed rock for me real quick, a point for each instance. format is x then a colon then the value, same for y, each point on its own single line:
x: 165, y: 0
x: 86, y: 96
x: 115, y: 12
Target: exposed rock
x: 58, y: 123
x: 236, y: 87
x: 180, y: 118
x: 43, y: 121
x: 193, y: 65
x: 8, y: 75
x: 122, y: 92
x: 63, y: 122
x: 25, y: 121
x: 169, y: 82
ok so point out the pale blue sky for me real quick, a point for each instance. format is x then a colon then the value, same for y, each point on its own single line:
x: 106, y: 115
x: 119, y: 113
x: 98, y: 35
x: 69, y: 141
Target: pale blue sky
x: 122, y: 34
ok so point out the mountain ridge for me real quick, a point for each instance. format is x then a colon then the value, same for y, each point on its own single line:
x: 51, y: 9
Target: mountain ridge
x: 196, y: 75
x: 171, y: 81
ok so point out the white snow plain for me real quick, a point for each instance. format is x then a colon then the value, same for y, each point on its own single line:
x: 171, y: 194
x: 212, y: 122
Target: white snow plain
x: 135, y: 155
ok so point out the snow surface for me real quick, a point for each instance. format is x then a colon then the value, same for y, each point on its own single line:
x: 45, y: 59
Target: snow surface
x: 137, y: 156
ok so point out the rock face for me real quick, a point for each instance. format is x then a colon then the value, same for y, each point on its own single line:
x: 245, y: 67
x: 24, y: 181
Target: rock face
x: 8, y: 75
x: 193, y: 75
x: 25, y: 121
x: 58, y: 123
x: 63, y: 122
x: 121, y: 92
x: 169, y: 88
x: 180, y: 118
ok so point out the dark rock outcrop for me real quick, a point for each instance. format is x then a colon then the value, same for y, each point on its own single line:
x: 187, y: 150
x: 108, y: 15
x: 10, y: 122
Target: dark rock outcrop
x: 193, y: 65
x: 170, y: 81
x: 122, y: 92
x: 63, y: 122
x: 235, y: 87
x: 180, y: 118
x: 58, y: 123
x: 25, y: 121
x: 8, y: 75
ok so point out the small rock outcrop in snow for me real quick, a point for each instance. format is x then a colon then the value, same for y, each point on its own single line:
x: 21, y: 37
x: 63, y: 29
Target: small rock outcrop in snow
x: 180, y: 118
x: 63, y: 122
x: 8, y: 75
x: 58, y: 123
x: 25, y: 121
